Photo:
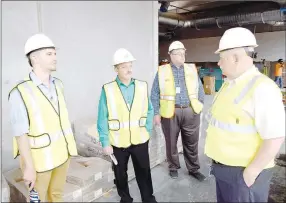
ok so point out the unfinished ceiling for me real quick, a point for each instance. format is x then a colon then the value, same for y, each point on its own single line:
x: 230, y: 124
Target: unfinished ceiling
x: 196, y: 19
x: 195, y: 6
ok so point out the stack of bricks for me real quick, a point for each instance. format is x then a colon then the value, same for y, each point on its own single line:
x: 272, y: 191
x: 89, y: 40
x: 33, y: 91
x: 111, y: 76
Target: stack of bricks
x: 93, y: 176
x: 5, y: 196
x: 87, y: 179
x: 18, y: 189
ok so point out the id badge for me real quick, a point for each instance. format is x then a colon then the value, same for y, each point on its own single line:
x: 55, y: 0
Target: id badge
x: 178, y: 90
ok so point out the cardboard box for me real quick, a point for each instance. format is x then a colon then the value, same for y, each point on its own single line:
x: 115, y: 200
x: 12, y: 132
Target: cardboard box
x: 209, y: 85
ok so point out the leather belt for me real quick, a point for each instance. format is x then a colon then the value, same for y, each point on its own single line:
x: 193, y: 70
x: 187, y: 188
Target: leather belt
x: 181, y: 106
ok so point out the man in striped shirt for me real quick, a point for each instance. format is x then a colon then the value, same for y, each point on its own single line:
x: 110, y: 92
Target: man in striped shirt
x: 185, y: 117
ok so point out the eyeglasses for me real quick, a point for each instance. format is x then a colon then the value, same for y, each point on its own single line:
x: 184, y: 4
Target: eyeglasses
x: 180, y: 54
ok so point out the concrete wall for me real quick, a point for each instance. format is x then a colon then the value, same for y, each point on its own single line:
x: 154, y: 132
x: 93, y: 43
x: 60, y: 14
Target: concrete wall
x: 271, y: 47
x: 87, y: 34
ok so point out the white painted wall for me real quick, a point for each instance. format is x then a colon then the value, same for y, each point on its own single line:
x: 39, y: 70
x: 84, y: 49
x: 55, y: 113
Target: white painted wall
x: 271, y: 47
x: 87, y: 34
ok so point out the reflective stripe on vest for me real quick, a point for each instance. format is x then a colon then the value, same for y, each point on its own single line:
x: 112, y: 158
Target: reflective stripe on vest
x: 232, y: 127
x: 127, y: 126
x: 169, y: 98
x: 111, y: 94
x: 116, y: 125
x: 50, y: 134
x: 246, y: 89
x: 46, y: 139
x: 237, y: 100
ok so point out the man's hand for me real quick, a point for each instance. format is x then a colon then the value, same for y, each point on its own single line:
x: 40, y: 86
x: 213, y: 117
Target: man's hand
x: 29, y: 176
x: 108, y: 150
x: 249, y: 176
x: 157, y: 120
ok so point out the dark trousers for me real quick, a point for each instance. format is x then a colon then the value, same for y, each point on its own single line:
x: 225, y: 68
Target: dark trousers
x: 140, y: 158
x: 231, y: 187
x: 188, y: 123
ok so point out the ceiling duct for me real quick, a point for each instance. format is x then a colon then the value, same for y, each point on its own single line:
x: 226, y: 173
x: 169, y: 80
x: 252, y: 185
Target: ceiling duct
x: 231, y: 20
x: 168, y: 35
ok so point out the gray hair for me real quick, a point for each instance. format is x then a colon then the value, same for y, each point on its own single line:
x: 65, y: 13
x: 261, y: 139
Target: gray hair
x: 249, y: 51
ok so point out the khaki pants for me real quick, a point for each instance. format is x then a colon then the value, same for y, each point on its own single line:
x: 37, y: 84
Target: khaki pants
x: 50, y: 184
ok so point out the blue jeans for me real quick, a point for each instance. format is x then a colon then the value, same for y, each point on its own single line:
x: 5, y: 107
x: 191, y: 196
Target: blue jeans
x: 278, y: 81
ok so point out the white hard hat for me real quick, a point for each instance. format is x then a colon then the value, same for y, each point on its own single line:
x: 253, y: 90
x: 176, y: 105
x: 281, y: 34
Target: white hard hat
x: 38, y: 41
x: 122, y: 56
x: 176, y: 45
x: 236, y: 37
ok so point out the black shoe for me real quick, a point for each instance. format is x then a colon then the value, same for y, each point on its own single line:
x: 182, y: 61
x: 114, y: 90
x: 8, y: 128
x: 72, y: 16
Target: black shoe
x: 173, y: 174
x: 197, y: 175
x: 150, y: 200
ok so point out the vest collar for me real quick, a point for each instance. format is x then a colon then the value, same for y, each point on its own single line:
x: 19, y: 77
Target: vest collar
x: 122, y: 84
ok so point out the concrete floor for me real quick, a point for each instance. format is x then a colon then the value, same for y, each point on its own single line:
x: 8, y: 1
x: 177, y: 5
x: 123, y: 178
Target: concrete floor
x: 183, y: 189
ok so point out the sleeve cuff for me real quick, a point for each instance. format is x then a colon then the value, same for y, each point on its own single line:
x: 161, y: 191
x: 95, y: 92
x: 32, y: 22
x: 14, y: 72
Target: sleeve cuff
x: 105, y: 143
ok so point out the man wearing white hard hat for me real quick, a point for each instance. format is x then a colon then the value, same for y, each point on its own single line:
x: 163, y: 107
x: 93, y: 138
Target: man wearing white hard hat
x: 246, y: 123
x: 177, y: 96
x: 42, y: 132
x: 125, y: 116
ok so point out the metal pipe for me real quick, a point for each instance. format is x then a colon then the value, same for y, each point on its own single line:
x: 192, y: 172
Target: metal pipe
x: 231, y: 20
x: 165, y: 35
x: 170, y: 21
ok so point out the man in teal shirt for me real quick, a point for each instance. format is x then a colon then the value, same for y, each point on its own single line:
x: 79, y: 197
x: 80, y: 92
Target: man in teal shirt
x: 125, y: 122
x: 128, y: 93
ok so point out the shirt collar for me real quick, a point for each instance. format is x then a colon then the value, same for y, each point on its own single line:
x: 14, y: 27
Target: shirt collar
x: 244, y: 75
x: 37, y: 80
x: 120, y: 83
x: 173, y: 66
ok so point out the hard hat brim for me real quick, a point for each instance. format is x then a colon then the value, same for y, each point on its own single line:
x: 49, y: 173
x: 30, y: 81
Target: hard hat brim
x: 177, y: 49
x: 114, y: 64
x: 217, y: 51
x: 220, y: 50
x: 56, y: 48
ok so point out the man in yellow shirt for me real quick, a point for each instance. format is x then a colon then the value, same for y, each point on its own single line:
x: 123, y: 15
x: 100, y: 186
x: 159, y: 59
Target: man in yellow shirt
x: 278, y: 73
x: 246, y: 123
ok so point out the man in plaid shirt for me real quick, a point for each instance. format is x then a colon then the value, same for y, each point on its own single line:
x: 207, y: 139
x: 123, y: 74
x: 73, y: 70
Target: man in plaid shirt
x: 185, y: 109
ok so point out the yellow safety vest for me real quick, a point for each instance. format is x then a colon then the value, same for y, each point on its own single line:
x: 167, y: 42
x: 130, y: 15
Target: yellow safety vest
x: 168, y: 90
x: 50, y: 134
x: 127, y: 124
x: 232, y: 138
